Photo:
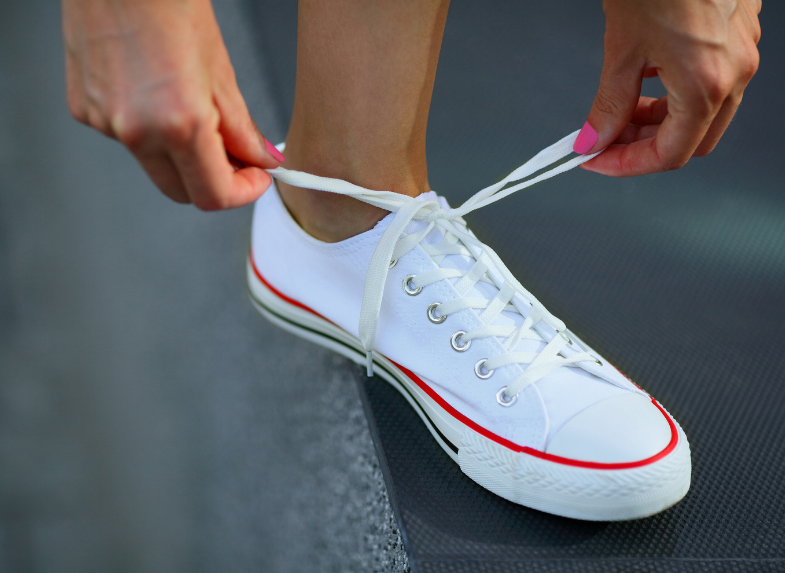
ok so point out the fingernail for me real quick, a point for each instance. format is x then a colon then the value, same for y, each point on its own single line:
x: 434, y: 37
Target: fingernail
x: 274, y: 152
x: 586, y: 139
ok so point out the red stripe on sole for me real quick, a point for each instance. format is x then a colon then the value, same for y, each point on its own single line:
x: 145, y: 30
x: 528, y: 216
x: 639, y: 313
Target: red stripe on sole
x: 487, y: 433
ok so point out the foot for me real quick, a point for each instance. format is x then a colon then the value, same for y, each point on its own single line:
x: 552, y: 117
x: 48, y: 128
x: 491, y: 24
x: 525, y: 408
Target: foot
x: 526, y: 409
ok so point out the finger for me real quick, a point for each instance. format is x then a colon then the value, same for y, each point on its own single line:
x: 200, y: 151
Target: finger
x: 753, y: 22
x: 650, y: 111
x: 674, y: 143
x: 97, y: 120
x: 210, y: 179
x: 718, y: 126
x: 160, y: 168
x: 694, y: 99
x: 613, y: 107
x: 645, y: 120
x: 634, y: 133
x: 241, y: 137
x: 74, y: 90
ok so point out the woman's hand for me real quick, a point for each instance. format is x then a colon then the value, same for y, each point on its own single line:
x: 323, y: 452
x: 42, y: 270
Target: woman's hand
x: 155, y: 75
x: 705, y: 53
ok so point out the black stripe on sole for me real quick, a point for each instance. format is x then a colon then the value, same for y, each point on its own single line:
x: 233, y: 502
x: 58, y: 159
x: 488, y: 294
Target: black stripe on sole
x: 452, y: 446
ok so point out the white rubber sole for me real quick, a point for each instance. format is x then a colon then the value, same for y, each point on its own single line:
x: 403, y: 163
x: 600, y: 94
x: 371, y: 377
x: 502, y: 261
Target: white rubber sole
x: 554, y: 485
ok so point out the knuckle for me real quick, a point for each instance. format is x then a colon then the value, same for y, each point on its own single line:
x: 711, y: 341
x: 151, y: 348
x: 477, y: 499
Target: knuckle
x: 756, y: 34
x: 77, y: 110
x: 205, y: 205
x: 709, y: 89
x: 703, y: 149
x: 182, y: 199
x: 605, y: 103
x: 128, y: 130
x: 670, y: 160
x: 97, y: 120
x: 179, y: 127
x: 177, y: 198
x: 749, y: 66
x: 716, y: 88
x: 626, y: 164
x: 673, y: 163
x: 135, y: 128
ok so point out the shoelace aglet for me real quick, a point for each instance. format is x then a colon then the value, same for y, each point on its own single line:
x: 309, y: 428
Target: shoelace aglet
x: 369, y: 363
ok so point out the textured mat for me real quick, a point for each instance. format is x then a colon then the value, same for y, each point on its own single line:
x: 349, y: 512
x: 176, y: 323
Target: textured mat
x: 678, y: 279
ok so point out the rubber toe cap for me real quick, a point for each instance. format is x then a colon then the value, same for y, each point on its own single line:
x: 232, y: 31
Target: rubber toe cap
x: 621, y: 429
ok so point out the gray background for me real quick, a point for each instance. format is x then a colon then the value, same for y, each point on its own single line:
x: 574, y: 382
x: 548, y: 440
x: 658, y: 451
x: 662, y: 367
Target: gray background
x: 150, y: 421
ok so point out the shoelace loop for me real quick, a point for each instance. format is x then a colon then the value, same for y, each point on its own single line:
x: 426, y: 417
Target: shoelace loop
x: 392, y: 246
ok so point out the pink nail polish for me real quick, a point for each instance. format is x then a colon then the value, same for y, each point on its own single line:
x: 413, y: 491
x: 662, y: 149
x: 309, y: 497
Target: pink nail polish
x: 586, y: 139
x: 273, y: 151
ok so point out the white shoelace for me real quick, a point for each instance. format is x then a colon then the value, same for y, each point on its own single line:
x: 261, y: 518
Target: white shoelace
x: 512, y: 296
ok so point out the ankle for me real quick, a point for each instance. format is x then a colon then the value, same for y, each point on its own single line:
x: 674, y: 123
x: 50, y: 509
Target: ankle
x: 327, y: 216
x: 330, y: 217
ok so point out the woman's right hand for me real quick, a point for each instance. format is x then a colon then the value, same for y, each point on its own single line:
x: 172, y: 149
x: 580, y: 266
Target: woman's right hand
x: 155, y: 75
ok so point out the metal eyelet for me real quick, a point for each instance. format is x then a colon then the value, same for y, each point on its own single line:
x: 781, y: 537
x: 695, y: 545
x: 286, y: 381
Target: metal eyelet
x: 597, y: 361
x: 478, y: 369
x: 500, y: 398
x: 454, y: 342
x: 407, y: 289
x: 432, y: 317
x: 567, y: 338
x: 393, y: 263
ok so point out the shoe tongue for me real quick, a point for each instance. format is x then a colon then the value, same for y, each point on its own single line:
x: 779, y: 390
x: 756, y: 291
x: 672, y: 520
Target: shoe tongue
x: 481, y: 289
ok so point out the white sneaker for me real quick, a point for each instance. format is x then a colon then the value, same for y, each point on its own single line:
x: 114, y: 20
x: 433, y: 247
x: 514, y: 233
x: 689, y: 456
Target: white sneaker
x: 526, y: 409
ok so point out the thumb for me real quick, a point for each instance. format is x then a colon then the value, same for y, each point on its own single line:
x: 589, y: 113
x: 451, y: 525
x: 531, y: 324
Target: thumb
x: 242, y: 139
x: 614, y: 105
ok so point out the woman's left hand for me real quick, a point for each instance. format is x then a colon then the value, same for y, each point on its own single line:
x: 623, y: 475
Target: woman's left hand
x: 704, y: 51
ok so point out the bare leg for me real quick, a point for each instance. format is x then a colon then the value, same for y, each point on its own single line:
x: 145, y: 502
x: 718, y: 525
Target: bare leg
x: 365, y: 73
